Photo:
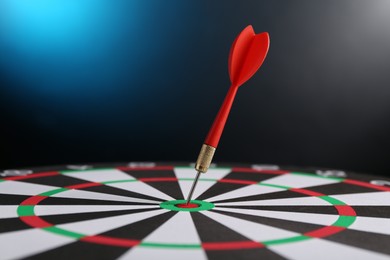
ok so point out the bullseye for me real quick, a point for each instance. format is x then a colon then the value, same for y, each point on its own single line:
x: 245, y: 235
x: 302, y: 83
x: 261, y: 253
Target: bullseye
x: 187, y: 206
x: 181, y: 205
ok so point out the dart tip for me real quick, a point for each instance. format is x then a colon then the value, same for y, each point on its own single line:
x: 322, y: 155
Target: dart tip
x: 193, y: 188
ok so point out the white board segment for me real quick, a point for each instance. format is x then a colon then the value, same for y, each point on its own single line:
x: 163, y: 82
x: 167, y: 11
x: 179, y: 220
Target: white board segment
x: 117, y: 175
x: 302, y: 201
x: 97, y: 226
x: 202, y: 186
x: 25, y: 243
x: 369, y: 224
x: 90, y: 195
x: 379, y: 198
x: 8, y: 211
x: 99, y: 175
x: 251, y: 230
x: 46, y: 210
x: 319, y: 249
x: 23, y: 188
x: 142, y: 188
x: 311, y: 218
x: 249, y: 190
x: 299, y: 181
x: 147, y: 253
x: 180, y: 229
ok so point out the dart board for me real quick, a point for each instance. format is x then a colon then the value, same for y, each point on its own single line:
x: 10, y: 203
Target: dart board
x: 132, y: 211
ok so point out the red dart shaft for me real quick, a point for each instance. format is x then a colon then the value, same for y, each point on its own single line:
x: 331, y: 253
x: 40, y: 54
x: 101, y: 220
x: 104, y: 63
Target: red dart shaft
x: 246, y: 56
x: 216, y: 130
x: 210, y: 144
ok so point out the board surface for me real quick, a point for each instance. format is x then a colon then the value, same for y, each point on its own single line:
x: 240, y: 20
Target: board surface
x: 129, y: 211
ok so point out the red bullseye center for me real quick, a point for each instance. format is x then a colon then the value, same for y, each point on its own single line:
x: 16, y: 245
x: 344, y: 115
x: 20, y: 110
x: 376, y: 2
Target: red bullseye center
x: 187, y: 206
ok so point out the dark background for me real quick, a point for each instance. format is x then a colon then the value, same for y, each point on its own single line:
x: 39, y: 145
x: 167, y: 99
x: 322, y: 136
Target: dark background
x: 100, y: 81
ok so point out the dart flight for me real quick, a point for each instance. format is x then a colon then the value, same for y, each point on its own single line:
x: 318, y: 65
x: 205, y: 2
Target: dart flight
x: 246, y: 56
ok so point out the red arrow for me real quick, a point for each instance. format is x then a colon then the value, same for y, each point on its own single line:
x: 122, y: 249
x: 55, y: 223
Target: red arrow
x: 246, y: 56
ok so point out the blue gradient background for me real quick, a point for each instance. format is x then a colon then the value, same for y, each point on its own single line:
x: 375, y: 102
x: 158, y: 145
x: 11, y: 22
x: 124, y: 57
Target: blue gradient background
x: 99, y: 80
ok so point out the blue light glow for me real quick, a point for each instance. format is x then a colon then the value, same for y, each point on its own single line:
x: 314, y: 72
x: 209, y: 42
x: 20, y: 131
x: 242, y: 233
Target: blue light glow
x: 63, y: 47
x: 89, y: 61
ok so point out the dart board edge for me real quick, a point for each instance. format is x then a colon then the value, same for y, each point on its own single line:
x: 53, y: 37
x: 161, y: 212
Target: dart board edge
x: 252, y: 181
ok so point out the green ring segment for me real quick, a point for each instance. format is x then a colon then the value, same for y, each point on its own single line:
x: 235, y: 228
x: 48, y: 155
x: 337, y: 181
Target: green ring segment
x: 171, y: 205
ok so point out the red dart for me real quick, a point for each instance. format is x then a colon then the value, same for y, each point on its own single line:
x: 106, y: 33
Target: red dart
x: 246, y: 56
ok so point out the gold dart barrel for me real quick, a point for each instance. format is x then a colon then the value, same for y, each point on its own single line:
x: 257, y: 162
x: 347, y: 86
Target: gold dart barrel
x: 204, y: 158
